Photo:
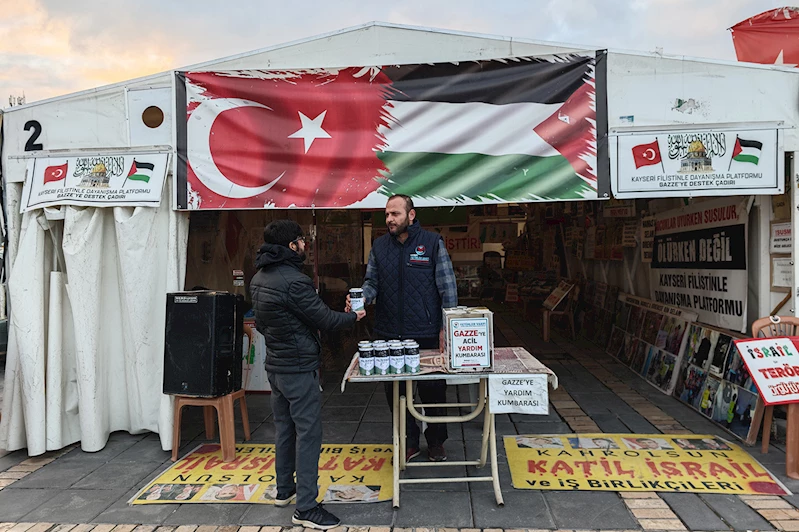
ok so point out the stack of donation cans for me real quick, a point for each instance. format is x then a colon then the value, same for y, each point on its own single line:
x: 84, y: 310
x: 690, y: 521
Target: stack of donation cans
x: 393, y: 357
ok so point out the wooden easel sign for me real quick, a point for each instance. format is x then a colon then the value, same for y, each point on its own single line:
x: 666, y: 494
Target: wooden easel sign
x: 557, y: 295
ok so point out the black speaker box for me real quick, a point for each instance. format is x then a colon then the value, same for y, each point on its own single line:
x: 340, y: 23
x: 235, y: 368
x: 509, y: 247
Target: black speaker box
x: 203, y: 343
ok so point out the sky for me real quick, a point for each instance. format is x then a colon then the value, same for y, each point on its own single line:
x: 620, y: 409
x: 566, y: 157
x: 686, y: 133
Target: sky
x: 54, y: 47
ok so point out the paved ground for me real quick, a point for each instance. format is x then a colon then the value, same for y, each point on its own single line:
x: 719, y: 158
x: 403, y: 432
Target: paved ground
x: 596, y: 394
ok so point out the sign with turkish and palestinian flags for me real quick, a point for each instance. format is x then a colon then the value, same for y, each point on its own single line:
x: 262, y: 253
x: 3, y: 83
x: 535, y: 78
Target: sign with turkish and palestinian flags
x: 112, y: 180
x: 723, y: 162
x: 474, y: 132
x: 699, y: 261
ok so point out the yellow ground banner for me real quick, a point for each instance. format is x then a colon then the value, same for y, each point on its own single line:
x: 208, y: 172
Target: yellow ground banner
x: 347, y: 473
x: 636, y: 462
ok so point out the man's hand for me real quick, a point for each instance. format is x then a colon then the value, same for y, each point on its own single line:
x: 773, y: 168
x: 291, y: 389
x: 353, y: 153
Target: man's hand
x: 441, y: 341
x: 348, y: 305
x: 360, y: 314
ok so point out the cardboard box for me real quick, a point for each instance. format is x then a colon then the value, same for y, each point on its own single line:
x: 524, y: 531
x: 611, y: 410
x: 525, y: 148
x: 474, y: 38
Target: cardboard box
x: 469, y: 339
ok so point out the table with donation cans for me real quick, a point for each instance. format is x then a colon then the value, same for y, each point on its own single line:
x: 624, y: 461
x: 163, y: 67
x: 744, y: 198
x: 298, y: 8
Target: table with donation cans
x: 509, y: 369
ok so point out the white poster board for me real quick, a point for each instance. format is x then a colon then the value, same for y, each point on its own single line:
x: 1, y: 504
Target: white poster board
x: 108, y: 180
x: 518, y: 394
x: 773, y: 364
x: 699, y: 261
x: 698, y: 162
x: 781, y: 238
x: 469, y: 342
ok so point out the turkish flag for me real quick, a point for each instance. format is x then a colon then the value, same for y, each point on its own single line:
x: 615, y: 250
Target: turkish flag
x: 301, y: 140
x: 772, y: 37
x: 646, y: 154
x: 55, y: 173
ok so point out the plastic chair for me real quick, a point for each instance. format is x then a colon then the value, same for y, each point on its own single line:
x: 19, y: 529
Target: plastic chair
x: 567, y: 310
x: 224, y: 411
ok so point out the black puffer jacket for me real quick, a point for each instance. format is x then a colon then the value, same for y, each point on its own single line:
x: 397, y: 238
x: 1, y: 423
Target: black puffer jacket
x: 289, y: 312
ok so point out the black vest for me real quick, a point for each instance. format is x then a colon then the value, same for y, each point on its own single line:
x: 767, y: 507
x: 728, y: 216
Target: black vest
x: 408, y: 302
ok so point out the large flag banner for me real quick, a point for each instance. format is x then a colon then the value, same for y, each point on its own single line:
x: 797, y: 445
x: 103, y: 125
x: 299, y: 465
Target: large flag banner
x: 771, y: 37
x: 699, y: 261
x: 509, y: 130
x: 636, y: 462
x: 108, y: 180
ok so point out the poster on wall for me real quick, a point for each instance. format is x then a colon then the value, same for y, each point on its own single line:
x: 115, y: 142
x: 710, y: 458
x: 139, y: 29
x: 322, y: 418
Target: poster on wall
x: 109, y: 180
x: 781, y: 239
x: 647, y: 238
x: 351, y: 137
x: 713, y: 379
x: 701, y: 162
x: 781, y: 273
x: 699, y: 261
x: 650, y: 338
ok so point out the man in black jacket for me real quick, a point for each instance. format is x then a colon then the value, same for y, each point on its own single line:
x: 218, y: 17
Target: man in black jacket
x: 289, y: 312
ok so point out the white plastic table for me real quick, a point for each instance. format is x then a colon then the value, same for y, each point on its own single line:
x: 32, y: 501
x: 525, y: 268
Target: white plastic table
x: 507, y: 361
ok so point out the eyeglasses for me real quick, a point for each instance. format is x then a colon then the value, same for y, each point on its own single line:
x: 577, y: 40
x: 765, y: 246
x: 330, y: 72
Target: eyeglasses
x: 298, y: 240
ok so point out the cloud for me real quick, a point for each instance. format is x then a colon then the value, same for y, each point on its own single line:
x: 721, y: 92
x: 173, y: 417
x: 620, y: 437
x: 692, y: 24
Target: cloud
x: 51, y: 47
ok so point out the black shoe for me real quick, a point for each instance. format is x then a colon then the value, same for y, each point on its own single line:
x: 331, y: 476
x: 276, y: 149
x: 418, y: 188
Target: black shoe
x: 283, y: 499
x: 317, y: 517
x: 436, y: 453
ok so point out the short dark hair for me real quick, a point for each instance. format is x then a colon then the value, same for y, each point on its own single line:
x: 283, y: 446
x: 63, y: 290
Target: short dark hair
x: 408, y: 201
x: 282, y: 232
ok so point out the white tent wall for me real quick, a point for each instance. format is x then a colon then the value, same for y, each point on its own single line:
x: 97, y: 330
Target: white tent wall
x: 645, y: 90
x: 86, y: 343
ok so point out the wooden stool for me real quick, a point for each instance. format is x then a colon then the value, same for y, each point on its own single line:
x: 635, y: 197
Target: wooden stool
x: 224, y: 410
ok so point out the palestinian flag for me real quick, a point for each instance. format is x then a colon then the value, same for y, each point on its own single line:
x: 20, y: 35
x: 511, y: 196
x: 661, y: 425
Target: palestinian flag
x: 521, y: 129
x: 747, y: 151
x: 141, y: 171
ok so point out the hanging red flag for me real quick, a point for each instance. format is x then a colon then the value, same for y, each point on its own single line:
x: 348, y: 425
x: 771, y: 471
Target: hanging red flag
x: 772, y: 37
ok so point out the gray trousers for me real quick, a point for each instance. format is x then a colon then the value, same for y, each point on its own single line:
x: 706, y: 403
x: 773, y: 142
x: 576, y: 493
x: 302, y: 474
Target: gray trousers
x: 296, y: 405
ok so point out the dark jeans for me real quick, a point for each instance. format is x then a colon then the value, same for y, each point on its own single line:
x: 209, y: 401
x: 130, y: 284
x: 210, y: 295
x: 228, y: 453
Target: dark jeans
x: 429, y: 392
x: 296, y: 405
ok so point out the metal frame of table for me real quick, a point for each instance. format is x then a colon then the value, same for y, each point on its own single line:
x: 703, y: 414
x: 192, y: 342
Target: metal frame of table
x: 489, y: 441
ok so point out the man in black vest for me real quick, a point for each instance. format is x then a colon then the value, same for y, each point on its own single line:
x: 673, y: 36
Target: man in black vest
x: 289, y: 312
x: 410, y: 278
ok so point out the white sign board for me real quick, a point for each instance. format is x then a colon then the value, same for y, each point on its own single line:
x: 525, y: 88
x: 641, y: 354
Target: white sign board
x: 700, y: 162
x: 773, y: 364
x: 699, y: 261
x: 647, y: 238
x: 781, y: 274
x: 111, y: 180
x: 469, y: 343
x: 781, y: 240
x: 518, y: 394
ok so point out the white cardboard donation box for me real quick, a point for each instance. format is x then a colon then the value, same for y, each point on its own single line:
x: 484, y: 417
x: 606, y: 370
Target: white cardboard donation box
x: 469, y: 339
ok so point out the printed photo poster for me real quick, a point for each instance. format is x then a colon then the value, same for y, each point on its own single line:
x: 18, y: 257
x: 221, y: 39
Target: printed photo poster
x: 699, y: 261
x: 708, y: 396
x: 640, y: 358
x: 635, y: 323
x: 616, y: 342
x: 628, y: 349
x: 661, y: 369
x: 720, y: 354
x: 652, y: 322
x: 690, y: 386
